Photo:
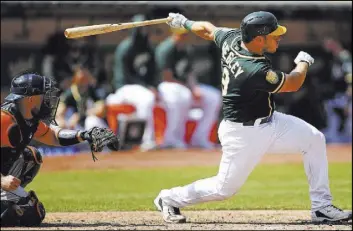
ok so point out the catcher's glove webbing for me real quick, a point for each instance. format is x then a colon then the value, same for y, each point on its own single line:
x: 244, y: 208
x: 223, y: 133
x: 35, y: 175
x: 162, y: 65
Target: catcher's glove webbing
x: 100, y: 137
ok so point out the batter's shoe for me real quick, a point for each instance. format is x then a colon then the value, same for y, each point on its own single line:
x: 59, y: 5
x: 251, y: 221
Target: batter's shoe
x: 170, y: 214
x: 330, y: 213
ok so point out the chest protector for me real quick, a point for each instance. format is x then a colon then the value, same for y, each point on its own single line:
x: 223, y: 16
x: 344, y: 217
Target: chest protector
x: 8, y: 154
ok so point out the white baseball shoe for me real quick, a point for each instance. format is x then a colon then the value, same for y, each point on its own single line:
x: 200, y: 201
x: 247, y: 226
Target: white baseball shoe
x: 330, y: 213
x: 170, y: 214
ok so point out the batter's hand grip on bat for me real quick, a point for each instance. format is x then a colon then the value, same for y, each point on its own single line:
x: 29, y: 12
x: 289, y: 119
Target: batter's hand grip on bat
x: 78, y: 32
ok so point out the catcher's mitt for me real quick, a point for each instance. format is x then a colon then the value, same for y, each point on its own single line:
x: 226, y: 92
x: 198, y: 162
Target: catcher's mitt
x: 100, y: 137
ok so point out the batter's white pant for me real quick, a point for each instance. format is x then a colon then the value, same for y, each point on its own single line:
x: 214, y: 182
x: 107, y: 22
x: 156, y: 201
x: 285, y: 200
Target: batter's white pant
x: 244, y: 146
x: 143, y: 99
x: 177, y: 100
x: 211, y: 102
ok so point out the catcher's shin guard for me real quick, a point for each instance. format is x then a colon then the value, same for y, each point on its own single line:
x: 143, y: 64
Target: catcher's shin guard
x: 26, y: 167
x: 8, y: 214
x: 29, y: 211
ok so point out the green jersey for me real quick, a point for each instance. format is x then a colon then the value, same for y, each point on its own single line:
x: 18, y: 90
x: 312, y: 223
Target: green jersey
x: 79, y: 102
x: 179, y: 61
x: 248, y: 80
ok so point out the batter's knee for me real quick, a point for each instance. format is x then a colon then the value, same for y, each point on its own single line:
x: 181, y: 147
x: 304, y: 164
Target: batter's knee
x: 225, y: 194
x: 225, y: 191
x: 319, y: 137
x: 315, y: 141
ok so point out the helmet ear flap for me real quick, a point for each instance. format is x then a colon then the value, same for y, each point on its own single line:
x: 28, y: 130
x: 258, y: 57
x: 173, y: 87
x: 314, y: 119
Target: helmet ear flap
x: 246, y: 38
x: 244, y: 34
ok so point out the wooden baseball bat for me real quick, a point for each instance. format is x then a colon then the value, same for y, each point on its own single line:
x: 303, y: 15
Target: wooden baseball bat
x: 78, y: 32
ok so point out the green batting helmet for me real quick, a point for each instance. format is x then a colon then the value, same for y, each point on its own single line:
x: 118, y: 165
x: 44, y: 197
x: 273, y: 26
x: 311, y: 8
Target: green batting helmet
x: 260, y: 23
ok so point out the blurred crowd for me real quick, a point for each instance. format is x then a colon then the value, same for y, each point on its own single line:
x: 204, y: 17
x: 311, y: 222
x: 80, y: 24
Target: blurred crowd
x: 166, y: 76
x: 338, y: 104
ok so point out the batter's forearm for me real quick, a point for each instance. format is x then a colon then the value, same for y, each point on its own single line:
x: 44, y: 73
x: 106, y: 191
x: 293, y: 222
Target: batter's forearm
x: 298, y: 74
x: 295, y: 79
x: 202, y: 29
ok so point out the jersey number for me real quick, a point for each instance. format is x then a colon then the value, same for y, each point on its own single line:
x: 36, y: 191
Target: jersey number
x: 225, y: 81
x: 236, y: 71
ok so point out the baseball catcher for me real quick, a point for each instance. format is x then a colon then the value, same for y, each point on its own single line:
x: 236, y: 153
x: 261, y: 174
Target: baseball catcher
x: 28, y: 113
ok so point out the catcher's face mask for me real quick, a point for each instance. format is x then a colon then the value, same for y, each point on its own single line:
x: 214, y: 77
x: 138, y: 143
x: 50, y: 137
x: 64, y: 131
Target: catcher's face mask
x: 50, y: 101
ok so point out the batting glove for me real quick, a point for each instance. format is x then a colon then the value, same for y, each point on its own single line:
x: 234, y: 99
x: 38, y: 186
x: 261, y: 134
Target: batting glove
x: 304, y: 57
x: 178, y: 20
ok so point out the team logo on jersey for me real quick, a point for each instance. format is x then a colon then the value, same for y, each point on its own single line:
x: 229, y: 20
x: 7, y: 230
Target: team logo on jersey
x: 272, y: 77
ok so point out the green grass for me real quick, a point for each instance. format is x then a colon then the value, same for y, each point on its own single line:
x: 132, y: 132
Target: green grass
x: 268, y: 187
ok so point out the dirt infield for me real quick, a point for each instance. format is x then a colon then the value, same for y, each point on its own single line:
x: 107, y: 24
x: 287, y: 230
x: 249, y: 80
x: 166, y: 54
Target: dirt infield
x: 197, y: 220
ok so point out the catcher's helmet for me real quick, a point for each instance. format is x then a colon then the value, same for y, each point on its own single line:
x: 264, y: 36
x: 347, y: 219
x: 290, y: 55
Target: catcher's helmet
x: 25, y: 85
x: 31, y: 84
x: 260, y: 23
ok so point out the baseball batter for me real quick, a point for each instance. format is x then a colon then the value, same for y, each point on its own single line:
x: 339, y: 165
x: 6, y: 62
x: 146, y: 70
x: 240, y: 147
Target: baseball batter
x: 251, y: 126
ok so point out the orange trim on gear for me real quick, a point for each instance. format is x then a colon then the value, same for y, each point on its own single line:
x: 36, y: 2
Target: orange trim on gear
x: 41, y: 130
x: 38, y: 209
x: 34, y: 154
x: 7, y: 120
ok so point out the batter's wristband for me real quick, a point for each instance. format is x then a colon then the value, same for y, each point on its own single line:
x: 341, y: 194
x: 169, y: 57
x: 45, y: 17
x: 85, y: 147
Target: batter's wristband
x: 188, y: 24
x: 305, y: 62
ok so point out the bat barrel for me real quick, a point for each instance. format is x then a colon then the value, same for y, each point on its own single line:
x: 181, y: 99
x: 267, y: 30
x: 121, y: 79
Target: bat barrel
x: 83, y: 31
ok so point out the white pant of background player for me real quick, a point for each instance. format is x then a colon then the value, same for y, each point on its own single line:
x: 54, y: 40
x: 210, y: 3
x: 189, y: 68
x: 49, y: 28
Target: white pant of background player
x: 243, y: 148
x: 177, y: 101
x: 143, y: 99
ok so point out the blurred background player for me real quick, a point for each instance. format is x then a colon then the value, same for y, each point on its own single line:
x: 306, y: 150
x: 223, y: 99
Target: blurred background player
x: 208, y: 98
x: 339, y: 106
x: 180, y: 91
x: 80, y: 107
x: 135, y: 78
x: 54, y: 63
x: 61, y: 57
x: 174, y: 65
